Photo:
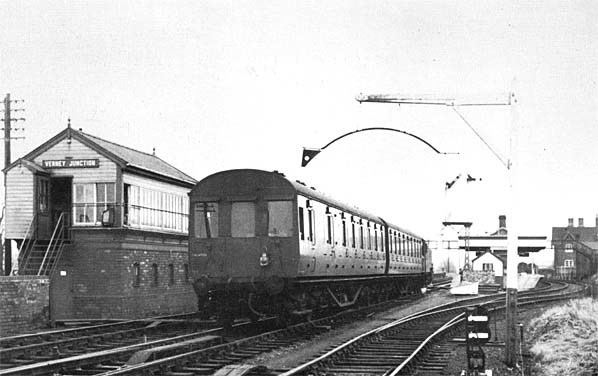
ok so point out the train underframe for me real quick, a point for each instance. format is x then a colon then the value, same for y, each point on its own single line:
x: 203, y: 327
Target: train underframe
x: 294, y: 300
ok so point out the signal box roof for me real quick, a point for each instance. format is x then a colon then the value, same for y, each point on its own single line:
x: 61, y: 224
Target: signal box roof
x: 127, y: 158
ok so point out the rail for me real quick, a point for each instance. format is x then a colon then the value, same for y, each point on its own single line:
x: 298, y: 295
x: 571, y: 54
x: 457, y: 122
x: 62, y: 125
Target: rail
x: 495, y: 299
x: 530, y: 300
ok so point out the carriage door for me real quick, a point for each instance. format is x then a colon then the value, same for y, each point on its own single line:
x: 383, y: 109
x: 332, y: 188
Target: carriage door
x: 61, y: 199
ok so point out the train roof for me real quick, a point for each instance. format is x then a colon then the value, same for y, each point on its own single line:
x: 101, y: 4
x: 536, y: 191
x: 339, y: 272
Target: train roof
x: 311, y: 192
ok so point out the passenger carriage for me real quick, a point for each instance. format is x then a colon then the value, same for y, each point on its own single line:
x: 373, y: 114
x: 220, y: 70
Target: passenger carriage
x: 262, y: 244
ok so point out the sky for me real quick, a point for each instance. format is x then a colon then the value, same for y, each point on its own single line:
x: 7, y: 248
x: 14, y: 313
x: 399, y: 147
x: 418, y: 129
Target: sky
x: 217, y: 85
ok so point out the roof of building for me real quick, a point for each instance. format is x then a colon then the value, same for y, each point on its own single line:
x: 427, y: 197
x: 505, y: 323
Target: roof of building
x: 127, y: 158
x: 492, y: 254
x: 32, y: 166
x: 593, y: 244
x: 145, y: 161
x: 576, y: 233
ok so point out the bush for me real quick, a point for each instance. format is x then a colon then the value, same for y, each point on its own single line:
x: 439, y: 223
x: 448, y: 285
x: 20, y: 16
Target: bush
x: 565, y: 339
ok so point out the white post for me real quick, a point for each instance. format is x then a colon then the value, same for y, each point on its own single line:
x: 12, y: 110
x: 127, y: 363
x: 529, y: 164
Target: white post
x: 512, y: 254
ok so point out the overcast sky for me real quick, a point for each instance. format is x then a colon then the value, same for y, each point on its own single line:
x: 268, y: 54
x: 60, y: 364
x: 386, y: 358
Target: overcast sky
x: 216, y: 85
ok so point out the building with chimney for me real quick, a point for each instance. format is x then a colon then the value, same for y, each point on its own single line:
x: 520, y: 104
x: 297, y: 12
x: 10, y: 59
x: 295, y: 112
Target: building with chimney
x: 488, y: 252
x: 575, y: 250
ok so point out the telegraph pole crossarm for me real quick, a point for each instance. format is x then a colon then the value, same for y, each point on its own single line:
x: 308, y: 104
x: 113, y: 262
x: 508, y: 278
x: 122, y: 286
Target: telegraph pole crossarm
x: 503, y: 99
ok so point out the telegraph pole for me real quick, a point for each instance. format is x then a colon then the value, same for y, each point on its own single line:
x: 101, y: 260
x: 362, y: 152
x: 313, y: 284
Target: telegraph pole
x: 7, y: 243
x: 7, y: 138
x: 512, y: 254
x: 6, y: 132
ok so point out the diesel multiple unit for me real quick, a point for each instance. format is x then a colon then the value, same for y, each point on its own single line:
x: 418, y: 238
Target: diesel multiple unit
x: 260, y: 243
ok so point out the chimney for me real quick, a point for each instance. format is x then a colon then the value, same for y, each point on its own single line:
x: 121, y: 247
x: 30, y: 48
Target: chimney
x: 502, y: 221
x: 580, y: 222
x: 570, y: 224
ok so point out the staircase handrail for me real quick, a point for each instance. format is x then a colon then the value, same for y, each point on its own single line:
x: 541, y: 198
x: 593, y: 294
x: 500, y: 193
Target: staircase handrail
x: 27, y: 240
x: 56, y: 252
x: 56, y: 228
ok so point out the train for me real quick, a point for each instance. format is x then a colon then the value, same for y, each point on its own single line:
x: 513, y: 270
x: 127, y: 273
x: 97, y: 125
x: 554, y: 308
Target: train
x: 262, y: 244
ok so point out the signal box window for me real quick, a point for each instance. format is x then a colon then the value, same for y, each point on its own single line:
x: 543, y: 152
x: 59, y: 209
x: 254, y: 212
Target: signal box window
x: 136, y: 274
x: 487, y: 267
x: 186, y: 272
x: 280, y: 218
x: 206, y: 220
x: 91, y: 200
x: 155, y: 274
x: 170, y: 274
x: 43, y: 195
x: 569, y: 263
x: 243, y: 220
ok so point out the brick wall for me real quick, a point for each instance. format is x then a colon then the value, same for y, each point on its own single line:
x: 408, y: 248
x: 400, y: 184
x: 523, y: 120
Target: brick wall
x: 24, y: 304
x: 483, y: 277
x: 104, y: 274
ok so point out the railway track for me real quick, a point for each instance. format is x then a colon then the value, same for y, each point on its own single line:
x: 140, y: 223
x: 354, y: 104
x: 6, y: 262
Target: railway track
x: 214, y: 352
x: 131, y: 346
x: 414, y: 344
x: 29, y: 349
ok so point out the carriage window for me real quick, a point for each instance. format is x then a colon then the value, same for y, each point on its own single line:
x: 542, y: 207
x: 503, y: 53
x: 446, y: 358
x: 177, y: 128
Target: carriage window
x: 375, y: 238
x: 353, y: 234
x: 369, y: 237
x: 206, y: 220
x: 360, y: 236
x: 280, y: 218
x: 301, y: 224
x: 344, y: 232
x: 329, y: 224
x: 311, y: 223
x: 242, y: 220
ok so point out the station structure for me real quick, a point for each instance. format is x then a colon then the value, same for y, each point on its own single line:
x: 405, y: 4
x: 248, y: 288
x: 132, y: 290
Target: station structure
x: 105, y: 223
x: 488, y: 252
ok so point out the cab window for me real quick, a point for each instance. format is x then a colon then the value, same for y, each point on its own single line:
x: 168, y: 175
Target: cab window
x: 206, y: 220
x: 243, y: 220
x: 280, y: 218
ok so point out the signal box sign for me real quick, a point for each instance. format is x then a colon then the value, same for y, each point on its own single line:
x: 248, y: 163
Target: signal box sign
x: 71, y: 163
